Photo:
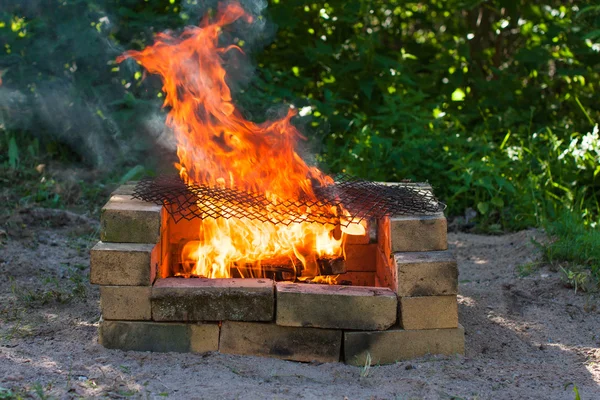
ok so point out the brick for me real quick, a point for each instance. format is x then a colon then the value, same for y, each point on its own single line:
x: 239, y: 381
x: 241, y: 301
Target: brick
x: 127, y: 220
x: 429, y: 312
x: 419, y: 233
x: 386, y: 271
x: 288, y: 343
x: 203, y: 337
x: 164, y: 265
x: 388, y: 347
x: 122, y: 264
x: 126, y: 189
x: 384, y: 241
x: 432, y: 273
x: 358, y: 278
x: 197, y: 299
x: 125, y: 302
x: 360, y: 257
x: 184, y: 229
x: 335, y: 306
x: 158, y: 337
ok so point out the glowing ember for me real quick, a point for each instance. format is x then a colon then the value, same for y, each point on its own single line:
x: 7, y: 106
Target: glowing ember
x: 217, y: 146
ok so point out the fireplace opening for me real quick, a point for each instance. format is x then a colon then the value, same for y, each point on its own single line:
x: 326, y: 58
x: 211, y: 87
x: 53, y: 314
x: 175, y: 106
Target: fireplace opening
x: 244, y: 248
x: 223, y: 233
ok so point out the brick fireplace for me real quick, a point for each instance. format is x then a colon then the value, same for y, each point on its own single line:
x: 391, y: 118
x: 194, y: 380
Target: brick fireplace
x: 400, y: 301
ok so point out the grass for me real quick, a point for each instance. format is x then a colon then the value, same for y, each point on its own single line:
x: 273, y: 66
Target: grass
x: 527, y: 269
x: 366, y: 369
x: 54, y: 289
x: 575, y: 248
x: 37, y: 391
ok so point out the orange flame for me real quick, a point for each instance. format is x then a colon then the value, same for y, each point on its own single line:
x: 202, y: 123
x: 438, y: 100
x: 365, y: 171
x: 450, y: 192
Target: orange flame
x: 217, y: 146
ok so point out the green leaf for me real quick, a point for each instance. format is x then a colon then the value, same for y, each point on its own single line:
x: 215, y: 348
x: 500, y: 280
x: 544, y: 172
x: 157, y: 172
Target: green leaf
x: 458, y: 95
x: 498, y: 202
x: 588, y: 10
x: 592, y: 35
x: 483, y: 207
x: 13, y: 153
x: 367, y: 87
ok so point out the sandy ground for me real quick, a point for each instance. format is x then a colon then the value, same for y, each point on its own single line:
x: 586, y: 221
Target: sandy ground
x: 527, y: 336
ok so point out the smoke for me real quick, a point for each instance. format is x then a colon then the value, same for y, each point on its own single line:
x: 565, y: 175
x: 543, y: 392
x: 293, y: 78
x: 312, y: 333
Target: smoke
x: 60, y: 81
x: 251, y: 37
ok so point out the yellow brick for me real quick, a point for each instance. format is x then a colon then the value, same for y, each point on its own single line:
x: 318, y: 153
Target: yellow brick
x: 432, y: 273
x: 429, y: 312
x: 204, y: 338
x: 127, y: 220
x: 388, y: 347
x: 334, y: 306
x: 288, y: 343
x: 125, y: 302
x: 197, y: 299
x: 418, y: 233
x: 126, y: 264
x: 158, y: 336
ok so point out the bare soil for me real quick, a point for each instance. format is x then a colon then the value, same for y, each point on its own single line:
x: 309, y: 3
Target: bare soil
x: 527, y: 336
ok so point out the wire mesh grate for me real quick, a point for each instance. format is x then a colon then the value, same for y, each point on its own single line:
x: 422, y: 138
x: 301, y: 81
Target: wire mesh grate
x: 362, y: 199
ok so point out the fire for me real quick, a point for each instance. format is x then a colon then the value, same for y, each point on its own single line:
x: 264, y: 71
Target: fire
x: 217, y: 146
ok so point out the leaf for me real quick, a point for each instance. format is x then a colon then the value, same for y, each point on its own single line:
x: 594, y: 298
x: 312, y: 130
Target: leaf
x: 367, y: 88
x: 587, y: 10
x: 13, y: 153
x: 458, y: 95
x: 498, y: 202
x: 483, y: 207
x: 592, y: 35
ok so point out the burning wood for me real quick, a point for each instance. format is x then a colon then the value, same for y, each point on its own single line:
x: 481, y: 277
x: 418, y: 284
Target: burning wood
x: 276, y: 269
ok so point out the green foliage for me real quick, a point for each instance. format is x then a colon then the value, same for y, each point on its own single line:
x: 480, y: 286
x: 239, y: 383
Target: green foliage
x: 492, y: 102
x: 480, y: 98
x: 577, y: 244
x: 61, y: 84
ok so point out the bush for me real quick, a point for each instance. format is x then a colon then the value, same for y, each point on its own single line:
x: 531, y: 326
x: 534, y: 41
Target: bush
x: 493, y: 102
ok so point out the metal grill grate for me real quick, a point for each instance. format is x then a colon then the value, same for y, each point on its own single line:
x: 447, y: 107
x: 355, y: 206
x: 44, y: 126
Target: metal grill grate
x: 362, y: 199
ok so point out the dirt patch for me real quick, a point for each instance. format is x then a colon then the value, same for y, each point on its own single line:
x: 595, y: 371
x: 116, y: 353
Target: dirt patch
x: 527, y: 336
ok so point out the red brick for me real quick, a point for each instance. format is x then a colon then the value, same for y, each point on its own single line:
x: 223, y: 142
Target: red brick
x: 360, y: 257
